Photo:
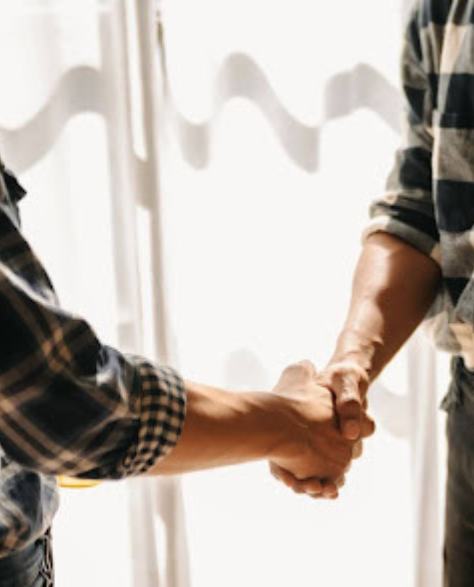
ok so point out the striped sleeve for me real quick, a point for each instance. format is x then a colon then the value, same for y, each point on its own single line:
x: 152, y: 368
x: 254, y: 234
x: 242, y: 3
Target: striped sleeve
x: 407, y: 210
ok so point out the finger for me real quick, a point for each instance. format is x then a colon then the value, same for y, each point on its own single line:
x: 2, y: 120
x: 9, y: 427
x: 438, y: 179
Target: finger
x: 367, y: 426
x: 283, y: 476
x: 348, y: 404
x: 340, y: 482
x: 274, y: 471
x: 311, y: 487
x: 357, y: 450
x: 309, y: 366
x: 301, y: 372
x: 349, y: 417
x: 297, y: 489
x: 330, y: 490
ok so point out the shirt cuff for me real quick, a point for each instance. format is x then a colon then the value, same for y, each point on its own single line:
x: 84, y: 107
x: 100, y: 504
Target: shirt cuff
x: 405, y: 232
x: 161, y: 405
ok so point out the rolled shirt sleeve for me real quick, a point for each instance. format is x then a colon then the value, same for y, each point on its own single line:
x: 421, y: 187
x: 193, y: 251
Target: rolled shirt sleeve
x: 407, y: 209
x: 69, y: 404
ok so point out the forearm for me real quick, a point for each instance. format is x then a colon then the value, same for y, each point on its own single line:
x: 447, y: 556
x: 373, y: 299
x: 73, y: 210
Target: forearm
x: 224, y: 428
x: 394, y: 286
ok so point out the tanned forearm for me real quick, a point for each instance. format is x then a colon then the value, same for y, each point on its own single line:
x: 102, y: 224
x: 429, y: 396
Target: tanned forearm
x: 224, y: 428
x: 394, y: 286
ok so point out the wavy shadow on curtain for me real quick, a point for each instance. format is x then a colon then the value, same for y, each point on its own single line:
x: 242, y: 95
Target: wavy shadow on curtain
x: 241, y: 77
x: 81, y: 89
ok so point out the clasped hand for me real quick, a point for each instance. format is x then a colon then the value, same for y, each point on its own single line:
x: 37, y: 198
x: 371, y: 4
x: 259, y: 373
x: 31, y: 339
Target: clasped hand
x: 328, y: 410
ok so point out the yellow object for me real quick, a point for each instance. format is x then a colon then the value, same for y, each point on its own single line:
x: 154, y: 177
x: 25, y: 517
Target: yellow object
x: 72, y: 483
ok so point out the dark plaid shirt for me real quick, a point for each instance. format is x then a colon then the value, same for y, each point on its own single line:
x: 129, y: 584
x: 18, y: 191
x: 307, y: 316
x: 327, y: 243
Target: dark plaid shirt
x: 429, y: 201
x: 68, y: 404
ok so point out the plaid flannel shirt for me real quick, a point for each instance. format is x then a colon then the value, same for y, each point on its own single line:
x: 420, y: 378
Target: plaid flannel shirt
x: 429, y: 201
x: 68, y: 404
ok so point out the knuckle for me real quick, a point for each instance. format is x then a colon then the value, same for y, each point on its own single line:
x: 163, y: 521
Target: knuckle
x: 313, y: 487
x: 329, y: 491
x: 293, y: 369
x: 307, y: 365
x: 350, y: 374
x: 349, y: 406
x: 302, y: 368
x: 350, y: 396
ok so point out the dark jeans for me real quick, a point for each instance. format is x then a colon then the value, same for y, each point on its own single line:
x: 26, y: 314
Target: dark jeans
x: 459, y: 533
x: 30, y: 567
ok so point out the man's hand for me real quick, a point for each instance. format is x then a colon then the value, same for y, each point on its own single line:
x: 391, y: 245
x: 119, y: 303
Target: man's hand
x: 385, y: 309
x: 349, y: 383
x: 301, y: 381
x: 319, y: 450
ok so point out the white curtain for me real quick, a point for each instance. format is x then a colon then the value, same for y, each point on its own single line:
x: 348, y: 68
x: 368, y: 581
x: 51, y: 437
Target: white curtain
x: 199, y: 196
x: 78, y: 124
x: 282, y: 121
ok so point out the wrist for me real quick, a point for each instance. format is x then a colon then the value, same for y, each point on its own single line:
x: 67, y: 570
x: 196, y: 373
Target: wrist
x: 274, y: 418
x: 240, y: 427
x: 359, y: 349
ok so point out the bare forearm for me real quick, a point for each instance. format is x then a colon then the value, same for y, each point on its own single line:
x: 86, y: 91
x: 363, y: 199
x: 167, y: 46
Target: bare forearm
x: 224, y: 428
x: 394, y: 285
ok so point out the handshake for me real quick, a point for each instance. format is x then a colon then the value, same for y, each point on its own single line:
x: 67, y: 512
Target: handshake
x: 329, y: 423
x: 309, y: 428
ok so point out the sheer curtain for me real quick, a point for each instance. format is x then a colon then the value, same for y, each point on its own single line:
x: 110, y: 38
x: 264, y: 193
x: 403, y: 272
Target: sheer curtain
x: 199, y: 196
x: 282, y: 121
x: 78, y: 85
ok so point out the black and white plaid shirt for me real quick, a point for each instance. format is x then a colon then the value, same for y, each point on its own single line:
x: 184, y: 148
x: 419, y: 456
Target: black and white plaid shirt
x: 68, y: 404
x: 430, y: 194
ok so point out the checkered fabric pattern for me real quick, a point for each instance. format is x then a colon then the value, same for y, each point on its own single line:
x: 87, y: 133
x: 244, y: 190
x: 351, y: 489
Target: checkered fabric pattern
x: 429, y: 202
x: 69, y: 405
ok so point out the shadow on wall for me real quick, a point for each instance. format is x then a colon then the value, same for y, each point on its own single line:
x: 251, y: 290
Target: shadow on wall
x: 240, y: 76
x: 244, y: 370
x: 81, y: 90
